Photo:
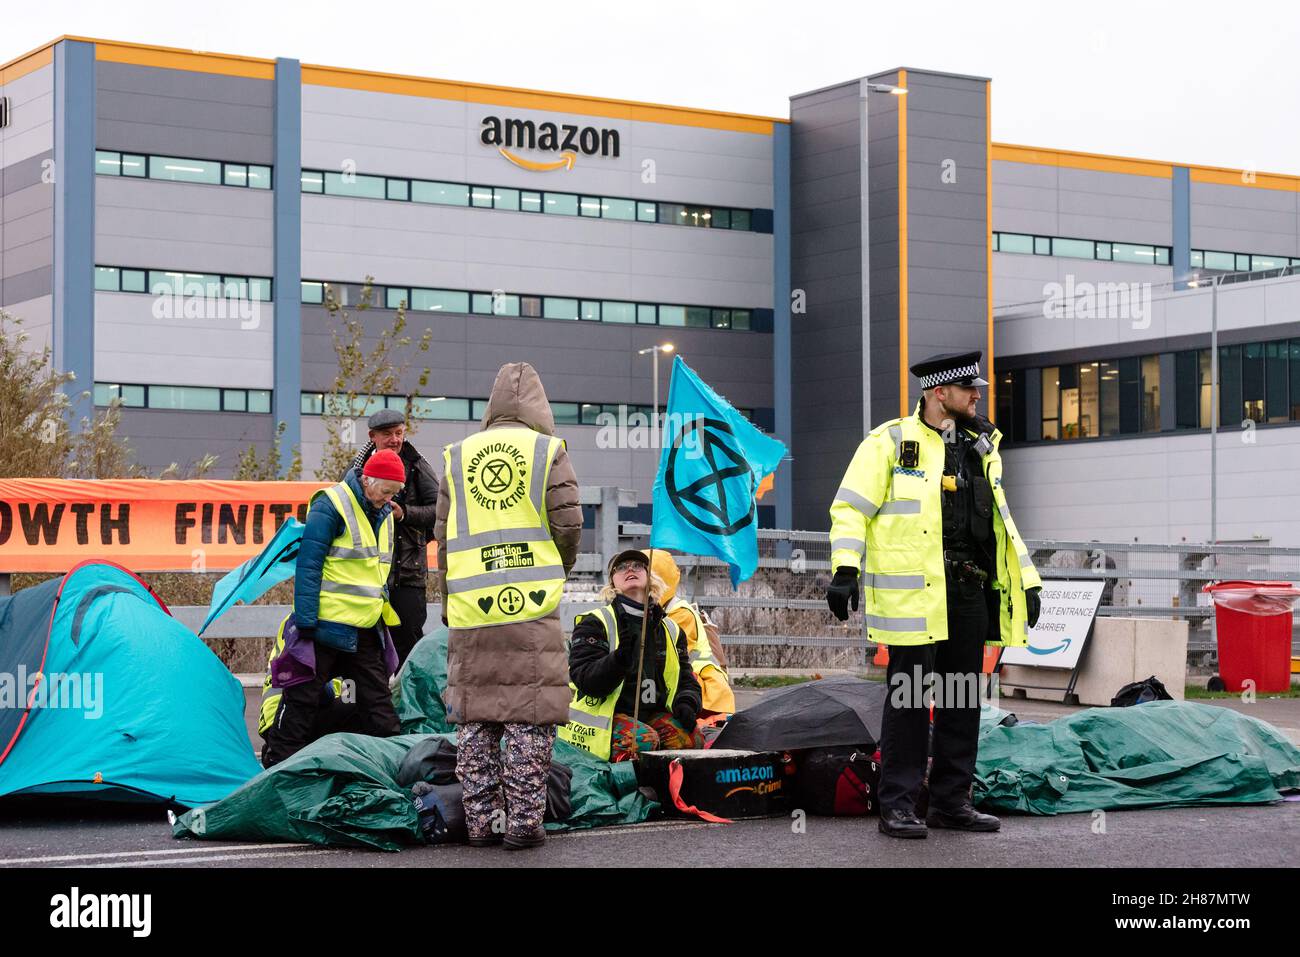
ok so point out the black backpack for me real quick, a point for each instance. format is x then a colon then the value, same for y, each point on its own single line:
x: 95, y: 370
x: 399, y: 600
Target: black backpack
x: 1140, y: 692
x: 841, y: 781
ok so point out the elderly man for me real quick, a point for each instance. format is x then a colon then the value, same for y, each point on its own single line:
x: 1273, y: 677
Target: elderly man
x: 340, y: 598
x: 414, y: 511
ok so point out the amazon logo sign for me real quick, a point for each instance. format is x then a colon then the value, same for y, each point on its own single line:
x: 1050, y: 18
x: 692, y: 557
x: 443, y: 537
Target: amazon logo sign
x: 565, y: 139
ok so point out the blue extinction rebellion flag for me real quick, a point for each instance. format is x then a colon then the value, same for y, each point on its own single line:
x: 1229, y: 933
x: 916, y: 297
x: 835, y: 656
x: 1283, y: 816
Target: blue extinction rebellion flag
x: 712, y: 463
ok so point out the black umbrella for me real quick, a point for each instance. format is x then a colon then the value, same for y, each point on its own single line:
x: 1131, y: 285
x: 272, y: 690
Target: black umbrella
x: 815, y: 714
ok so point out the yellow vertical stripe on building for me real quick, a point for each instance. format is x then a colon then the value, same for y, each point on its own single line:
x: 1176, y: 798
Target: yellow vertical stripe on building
x: 990, y: 407
x: 902, y: 244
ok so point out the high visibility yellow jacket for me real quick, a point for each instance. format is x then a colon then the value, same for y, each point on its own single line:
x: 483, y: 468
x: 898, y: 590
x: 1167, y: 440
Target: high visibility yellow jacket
x: 503, y: 565
x: 887, y: 521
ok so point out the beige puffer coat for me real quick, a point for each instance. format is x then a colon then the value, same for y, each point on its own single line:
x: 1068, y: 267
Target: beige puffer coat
x: 515, y: 673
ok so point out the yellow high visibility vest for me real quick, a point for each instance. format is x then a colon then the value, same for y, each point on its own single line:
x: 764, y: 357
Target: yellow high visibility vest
x: 354, y: 577
x: 270, y: 705
x: 591, y: 720
x: 887, y: 519
x: 502, y: 564
x: 701, y: 651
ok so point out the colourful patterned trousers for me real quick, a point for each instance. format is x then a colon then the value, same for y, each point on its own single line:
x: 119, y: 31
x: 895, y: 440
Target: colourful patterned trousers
x: 661, y: 732
x: 505, y: 791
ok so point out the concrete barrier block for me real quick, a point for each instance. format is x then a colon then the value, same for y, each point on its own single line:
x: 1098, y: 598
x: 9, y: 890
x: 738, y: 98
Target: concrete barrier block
x: 1160, y: 649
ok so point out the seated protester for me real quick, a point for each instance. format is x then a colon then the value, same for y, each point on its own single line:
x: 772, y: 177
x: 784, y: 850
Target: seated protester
x: 706, y: 661
x: 603, y: 660
x: 336, y: 711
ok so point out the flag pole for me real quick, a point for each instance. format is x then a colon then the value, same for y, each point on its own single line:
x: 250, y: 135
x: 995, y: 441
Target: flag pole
x: 640, y: 661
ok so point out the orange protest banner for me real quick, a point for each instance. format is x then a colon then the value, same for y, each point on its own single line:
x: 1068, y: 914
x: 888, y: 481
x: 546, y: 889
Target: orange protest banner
x: 48, y: 525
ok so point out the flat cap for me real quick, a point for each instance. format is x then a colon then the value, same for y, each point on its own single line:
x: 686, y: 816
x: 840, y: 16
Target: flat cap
x: 385, y: 419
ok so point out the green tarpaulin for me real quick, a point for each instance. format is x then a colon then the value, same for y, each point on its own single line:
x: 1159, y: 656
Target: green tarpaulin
x: 1159, y: 754
x: 342, y: 789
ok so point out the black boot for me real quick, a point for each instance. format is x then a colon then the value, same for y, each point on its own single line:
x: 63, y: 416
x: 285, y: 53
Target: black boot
x: 520, y: 842
x: 964, y: 818
x: 901, y: 823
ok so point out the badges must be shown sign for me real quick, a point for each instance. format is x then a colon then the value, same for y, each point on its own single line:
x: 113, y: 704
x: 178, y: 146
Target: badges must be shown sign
x: 1067, y: 613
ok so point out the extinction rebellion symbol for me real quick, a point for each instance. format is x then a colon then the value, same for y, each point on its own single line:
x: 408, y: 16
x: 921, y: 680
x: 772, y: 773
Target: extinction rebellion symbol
x: 704, y: 502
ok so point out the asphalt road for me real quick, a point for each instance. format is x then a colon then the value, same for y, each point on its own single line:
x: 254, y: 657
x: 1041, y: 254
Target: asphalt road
x: 41, y: 835
x: 1267, y: 836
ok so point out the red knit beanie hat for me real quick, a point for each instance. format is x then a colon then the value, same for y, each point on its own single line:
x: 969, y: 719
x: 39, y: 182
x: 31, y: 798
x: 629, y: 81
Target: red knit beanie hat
x: 385, y: 464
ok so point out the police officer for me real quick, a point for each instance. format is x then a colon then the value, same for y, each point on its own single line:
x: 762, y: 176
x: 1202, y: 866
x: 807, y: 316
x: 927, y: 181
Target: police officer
x: 945, y: 573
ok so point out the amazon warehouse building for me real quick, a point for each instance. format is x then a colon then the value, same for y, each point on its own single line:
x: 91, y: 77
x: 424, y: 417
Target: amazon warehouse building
x: 799, y: 264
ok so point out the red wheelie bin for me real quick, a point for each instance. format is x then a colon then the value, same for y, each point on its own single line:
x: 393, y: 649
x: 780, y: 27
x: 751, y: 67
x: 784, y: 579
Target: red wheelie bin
x: 1253, y: 621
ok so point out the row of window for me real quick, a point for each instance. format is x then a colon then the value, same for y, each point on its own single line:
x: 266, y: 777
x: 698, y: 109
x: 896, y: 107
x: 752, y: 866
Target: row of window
x: 182, y: 169
x: 187, y: 398
x: 459, y: 409
x: 210, y: 399
x: 163, y: 282
x: 1081, y: 249
x: 1134, y: 253
x: 523, y: 200
x: 549, y: 307
x: 1239, y: 262
x: 1258, y: 381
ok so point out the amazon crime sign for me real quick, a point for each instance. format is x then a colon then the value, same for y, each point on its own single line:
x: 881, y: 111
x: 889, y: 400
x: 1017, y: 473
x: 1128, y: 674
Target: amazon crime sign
x: 49, y: 525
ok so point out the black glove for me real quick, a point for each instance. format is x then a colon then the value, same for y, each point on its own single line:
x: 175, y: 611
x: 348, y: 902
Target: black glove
x: 1033, y: 604
x: 626, y: 652
x: 843, y: 587
x: 685, y: 713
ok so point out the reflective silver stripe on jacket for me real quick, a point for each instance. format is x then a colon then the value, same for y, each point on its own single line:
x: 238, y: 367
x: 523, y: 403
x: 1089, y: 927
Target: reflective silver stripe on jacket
x: 895, y: 624
x: 532, y: 535
x: 510, y: 576
x: 862, y: 504
x: 590, y: 720
x: 340, y: 551
x: 896, y: 433
x: 1004, y: 511
x: 1025, y: 560
x: 537, y: 483
x: 361, y: 591
x: 852, y: 544
x: 902, y: 506
x: 911, y: 582
x: 349, y: 513
x: 454, y: 479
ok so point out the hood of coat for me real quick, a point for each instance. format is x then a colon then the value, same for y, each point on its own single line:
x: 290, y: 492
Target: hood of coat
x: 663, y: 566
x: 519, y: 399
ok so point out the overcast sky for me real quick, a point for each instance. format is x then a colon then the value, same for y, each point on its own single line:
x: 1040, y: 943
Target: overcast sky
x: 1192, y: 83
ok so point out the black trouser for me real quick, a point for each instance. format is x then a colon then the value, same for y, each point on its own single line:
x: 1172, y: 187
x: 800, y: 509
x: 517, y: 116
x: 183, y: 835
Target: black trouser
x: 408, y: 602
x: 905, y: 729
x: 296, y: 719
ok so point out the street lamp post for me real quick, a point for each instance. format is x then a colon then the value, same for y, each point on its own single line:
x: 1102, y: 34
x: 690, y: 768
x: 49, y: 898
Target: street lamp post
x: 664, y: 347
x: 867, y: 89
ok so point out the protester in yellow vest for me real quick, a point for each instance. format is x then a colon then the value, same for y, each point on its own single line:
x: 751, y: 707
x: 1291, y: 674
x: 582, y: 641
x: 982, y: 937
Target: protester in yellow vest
x: 922, y: 512
x: 337, y: 710
x: 715, y: 687
x: 508, y: 527
x: 604, y: 660
x: 340, y: 604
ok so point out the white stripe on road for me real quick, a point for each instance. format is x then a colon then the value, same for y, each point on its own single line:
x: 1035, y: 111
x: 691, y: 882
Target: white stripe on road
x: 248, y: 856
x: 119, y: 854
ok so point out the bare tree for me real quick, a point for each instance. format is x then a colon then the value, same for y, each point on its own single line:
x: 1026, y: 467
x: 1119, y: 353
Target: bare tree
x: 253, y: 467
x: 364, y: 375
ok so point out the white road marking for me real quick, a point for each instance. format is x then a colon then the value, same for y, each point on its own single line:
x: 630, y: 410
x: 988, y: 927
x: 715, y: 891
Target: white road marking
x: 60, y: 858
x: 249, y: 856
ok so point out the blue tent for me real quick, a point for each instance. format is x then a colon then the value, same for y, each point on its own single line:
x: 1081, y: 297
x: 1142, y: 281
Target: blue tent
x: 104, y: 694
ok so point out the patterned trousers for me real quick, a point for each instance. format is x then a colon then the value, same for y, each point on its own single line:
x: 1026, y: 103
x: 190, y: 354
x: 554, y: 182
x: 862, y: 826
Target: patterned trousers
x: 660, y: 732
x: 504, y: 792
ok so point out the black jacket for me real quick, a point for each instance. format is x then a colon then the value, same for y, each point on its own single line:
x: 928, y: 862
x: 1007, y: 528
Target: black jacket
x: 596, y: 671
x: 419, y: 501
